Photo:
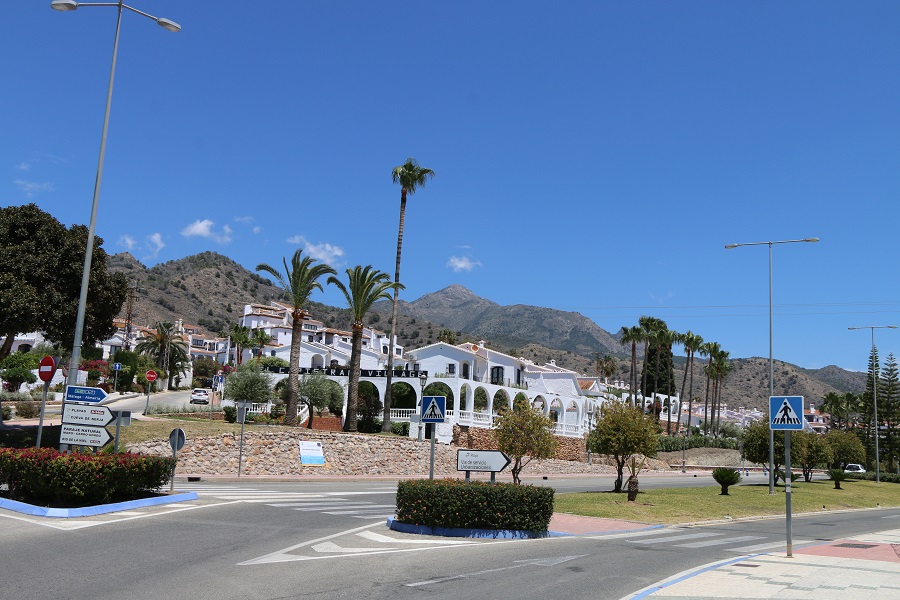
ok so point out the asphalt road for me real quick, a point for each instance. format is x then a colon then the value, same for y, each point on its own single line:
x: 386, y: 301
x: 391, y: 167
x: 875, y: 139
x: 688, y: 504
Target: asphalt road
x: 255, y: 540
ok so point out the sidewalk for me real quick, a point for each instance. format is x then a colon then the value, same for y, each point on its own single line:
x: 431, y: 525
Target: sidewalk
x: 859, y: 568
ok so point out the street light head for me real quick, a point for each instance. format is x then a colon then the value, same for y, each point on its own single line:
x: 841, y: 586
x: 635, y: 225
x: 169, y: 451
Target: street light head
x: 167, y: 24
x: 811, y: 240
x: 63, y: 5
x: 730, y: 246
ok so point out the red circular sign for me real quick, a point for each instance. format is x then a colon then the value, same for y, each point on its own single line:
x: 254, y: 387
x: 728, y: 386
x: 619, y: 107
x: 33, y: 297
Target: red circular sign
x: 47, y: 368
x: 151, y: 375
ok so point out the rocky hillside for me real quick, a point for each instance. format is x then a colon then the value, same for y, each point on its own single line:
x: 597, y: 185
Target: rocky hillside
x: 210, y: 290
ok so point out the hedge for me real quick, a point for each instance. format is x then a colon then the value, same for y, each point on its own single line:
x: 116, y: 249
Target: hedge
x: 454, y: 503
x: 673, y: 443
x: 45, y: 475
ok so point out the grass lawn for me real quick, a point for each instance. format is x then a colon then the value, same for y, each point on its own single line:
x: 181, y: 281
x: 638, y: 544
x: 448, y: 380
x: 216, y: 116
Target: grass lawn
x: 685, y: 505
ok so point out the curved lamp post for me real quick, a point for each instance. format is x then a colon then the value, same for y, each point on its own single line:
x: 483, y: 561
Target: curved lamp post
x: 66, y: 6
x: 875, y: 393
x: 771, y: 362
x: 423, y: 381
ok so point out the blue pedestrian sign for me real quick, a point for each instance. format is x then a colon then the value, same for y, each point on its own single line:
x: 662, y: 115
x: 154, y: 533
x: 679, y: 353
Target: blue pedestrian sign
x: 117, y: 366
x: 434, y: 409
x: 786, y: 413
x: 85, y: 395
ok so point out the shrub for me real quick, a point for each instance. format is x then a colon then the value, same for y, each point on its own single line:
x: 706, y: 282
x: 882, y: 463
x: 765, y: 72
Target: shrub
x: 400, y: 428
x: 26, y: 409
x: 726, y: 477
x: 368, y: 425
x: 230, y: 413
x: 80, y: 478
x: 674, y: 443
x: 837, y: 476
x: 478, y: 505
x: 7, y: 412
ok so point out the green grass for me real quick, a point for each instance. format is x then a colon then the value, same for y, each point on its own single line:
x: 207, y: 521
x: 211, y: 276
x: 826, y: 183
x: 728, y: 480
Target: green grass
x: 685, y: 505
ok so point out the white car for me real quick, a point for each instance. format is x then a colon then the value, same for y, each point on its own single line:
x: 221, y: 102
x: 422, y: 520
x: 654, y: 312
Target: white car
x: 854, y: 468
x: 200, y: 396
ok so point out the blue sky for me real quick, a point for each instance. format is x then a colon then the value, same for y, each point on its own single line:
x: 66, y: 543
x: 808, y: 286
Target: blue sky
x: 589, y: 156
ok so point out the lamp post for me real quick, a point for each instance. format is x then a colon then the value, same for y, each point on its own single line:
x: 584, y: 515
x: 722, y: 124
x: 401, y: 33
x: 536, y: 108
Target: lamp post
x: 771, y: 362
x: 423, y: 381
x: 65, y: 6
x: 684, y: 433
x: 590, y: 415
x: 875, y: 392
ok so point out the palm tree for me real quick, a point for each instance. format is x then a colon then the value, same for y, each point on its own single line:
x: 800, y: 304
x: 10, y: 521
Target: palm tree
x: 722, y: 368
x: 709, y: 349
x: 168, y: 346
x: 241, y: 338
x: 299, y: 281
x: 691, y: 342
x: 631, y: 335
x: 259, y: 339
x: 410, y: 176
x: 364, y: 288
x: 608, y: 366
x: 665, y: 339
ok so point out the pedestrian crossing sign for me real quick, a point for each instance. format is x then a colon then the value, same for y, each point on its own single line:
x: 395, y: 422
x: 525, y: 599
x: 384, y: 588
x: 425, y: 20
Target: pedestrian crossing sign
x: 786, y: 413
x: 434, y: 409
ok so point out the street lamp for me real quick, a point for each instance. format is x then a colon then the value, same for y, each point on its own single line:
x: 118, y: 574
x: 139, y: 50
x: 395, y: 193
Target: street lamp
x: 875, y: 392
x: 771, y: 362
x: 423, y: 381
x: 590, y: 415
x: 65, y: 6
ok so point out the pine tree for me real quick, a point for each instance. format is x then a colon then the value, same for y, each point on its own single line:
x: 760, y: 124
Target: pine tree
x: 888, y: 397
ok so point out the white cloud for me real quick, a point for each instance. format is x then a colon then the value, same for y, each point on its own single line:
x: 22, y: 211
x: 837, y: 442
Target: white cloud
x: 257, y: 229
x: 32, y: 187
x: 154, y: 244
x: 324, y: 252
x: 462, y: 263
x: 205, y: 229
x: 247, y: 219
x: 23, y: 166
x: 127, y: 242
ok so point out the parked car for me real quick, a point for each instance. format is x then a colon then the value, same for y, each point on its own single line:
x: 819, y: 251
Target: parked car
x: 854, y: 468
x: 200, y: 396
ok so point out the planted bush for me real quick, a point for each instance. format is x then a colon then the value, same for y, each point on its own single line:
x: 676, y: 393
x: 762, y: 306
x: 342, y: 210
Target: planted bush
x: 45, y: 475
x: 726, y: 477
x: 400, y: 428
x: 837, y: 476
x: 454, y: 503
x: 26, y: 409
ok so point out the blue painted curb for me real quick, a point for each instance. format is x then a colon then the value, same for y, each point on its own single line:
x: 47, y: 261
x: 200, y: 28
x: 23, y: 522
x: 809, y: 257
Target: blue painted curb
x: 90, y: 511
x: 564, y: 534
x: 517, y: 534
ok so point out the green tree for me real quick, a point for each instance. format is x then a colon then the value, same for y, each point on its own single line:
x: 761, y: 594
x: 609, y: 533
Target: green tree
x: 16, y: 369
x: 299, y: 281
x: 447, y: 336
x: 810, y: 451
x: 205, y: 367
x: 258, y: 340
x: 411, y: 177
x: 726, y: 477
x: 631, y: 335
x: 314, y: 391
x: 845, y: 447
x: 168, y: 347
x: 249, y: 383
x: 691, y: 343
x: 41, y: 266
x: 888, y: 409
x: 365, y: 286
x: 524, y: 435
x: 241, y: 339
x: 710, y: 350
x: 868, y: 406
x: 273, y: 361
x: 621, y: 432
x: 755, y: 447
x: 843, y: 408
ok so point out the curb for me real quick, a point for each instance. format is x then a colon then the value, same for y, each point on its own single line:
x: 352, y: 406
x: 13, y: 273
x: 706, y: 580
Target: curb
x: 500, y: 534
x: 90, y: 511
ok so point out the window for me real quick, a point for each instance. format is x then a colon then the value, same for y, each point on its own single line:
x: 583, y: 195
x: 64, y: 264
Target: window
x: 497, y: 375
x: 451, y: 369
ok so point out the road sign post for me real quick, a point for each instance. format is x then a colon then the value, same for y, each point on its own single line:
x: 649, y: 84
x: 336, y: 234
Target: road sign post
x: 150, y: 376
x: 46, y: 370
x: 492, y: 461
x: 786, y: 414
x: 176, y: 441
x: 123, y: 418
x: 434, y: 410
x: 242, y: 408
x: 116, y: 368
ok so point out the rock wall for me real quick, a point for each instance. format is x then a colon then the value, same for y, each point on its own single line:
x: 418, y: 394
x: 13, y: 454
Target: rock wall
x: 476, y: 438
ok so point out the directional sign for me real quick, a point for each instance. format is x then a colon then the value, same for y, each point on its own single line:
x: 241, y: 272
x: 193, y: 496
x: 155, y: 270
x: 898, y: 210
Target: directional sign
x: 786, y: 413
x: 481, y: 460
x: 433, y: 409
x: 87, y: 395
x: 81, y: 414
x: 47, y: 368
x: 150, y: 375
x: 83, y: 435
x: 117, y: 366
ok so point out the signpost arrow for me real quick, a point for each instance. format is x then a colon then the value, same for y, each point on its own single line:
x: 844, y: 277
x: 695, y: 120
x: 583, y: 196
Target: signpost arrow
x: 481, y: 460
x: 83, y: 435
x: 79, y: 414
x: 89, y: 395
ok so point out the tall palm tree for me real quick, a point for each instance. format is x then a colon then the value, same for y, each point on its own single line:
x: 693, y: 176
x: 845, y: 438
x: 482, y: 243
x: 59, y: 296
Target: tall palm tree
x: 240, y: 338
x: 722, y: 369
x: 259, y: 339
x: 631, y: 335
x: 364, y: 288
x: 299, y: 281
x: 708, y: 349
x: 691, y: 342
x: 410, y: 176
x: 608, y: 366
x: 168, y: 346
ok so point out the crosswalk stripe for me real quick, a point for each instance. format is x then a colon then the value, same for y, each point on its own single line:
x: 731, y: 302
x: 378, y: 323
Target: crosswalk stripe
x: 720, y: 542
x: 763, y: 547
x: 344, y: 507
x: 356, y: 512
x: 675, y: 538
x: 375, y: 516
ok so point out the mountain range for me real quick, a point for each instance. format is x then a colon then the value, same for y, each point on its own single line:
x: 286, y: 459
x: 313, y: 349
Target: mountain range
x: 209, y: 290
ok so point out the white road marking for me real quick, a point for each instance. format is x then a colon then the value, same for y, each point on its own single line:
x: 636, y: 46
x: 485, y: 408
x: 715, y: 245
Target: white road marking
x: 763, y: 547
x: 675, y: 538
x: 377, y: 537
x: 332, y: 547
x: 720, y: 542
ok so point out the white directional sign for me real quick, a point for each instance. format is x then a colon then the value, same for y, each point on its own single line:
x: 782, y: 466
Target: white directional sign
x: 434, y: 409
x: 786, y: 413
x: 493, y: 461
x: 83, y: 435
x: 83, y: 414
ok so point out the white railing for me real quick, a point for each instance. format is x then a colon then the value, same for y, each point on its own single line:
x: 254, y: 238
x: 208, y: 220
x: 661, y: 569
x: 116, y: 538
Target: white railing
x: 401, y: 415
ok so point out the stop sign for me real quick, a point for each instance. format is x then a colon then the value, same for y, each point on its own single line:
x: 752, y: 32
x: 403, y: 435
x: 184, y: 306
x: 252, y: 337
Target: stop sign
x: 151, y: 375
x: 47, y: 368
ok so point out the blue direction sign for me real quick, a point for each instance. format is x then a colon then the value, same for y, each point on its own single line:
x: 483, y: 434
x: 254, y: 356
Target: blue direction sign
x: 434, y: 409
x: 786, y: 413
x: 117, y: 366
x: 86, y: 395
